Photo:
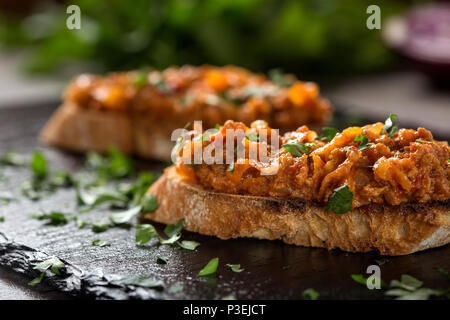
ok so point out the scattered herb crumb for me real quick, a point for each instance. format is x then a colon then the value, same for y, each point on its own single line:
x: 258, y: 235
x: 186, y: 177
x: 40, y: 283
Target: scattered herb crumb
x: 310, y: 294
x: 210, y: 268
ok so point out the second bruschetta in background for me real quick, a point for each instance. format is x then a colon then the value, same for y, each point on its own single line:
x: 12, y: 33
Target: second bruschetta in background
x: 138, y: 111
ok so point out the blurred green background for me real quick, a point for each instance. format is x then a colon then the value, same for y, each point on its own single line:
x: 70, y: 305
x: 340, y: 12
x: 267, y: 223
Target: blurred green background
x: 304, y: 37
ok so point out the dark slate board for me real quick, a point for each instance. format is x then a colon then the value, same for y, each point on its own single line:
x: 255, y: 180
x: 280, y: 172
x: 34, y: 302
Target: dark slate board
x: 273, y: 270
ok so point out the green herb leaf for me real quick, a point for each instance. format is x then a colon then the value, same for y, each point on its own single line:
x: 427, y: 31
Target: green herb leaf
x: 145, y: 232
x: 310, y: 294
x: 298, y: 149
x: 407, y: 282
x: 235, y: 267
x: 364, y: 142
x: 363, y: 280
x: 210, y: 268
x: 100, y: 243
x: 188, y: 245
x: 141, y: 78
x: 382, y: 261
x: 278, y: 77
x: 177, y: 287
x: 389, y: 126
x: 172, y: 229
x: 421, y: 141
x: 37, y: 280
x: 442, y: 271
x: 39, y: 165
x: 12, y: 159
x: 328, y: 134
x: 230, y: 296
x: 149, y: 203
x: 174, y: 238
x: 55, y: 218
x: 341, y: 200
x: 145, y: 282
x: 231, y: 167
x: 101, y: 225
x: 162, y: 260
x: 252, y: 136
x: 54, y: 264
x: 2, y: 219
x: 419, y: 294
x: 125, y: 216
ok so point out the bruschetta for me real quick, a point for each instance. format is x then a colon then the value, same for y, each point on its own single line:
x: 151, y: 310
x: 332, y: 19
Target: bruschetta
x: 362, y: 189
x: 137, y: 111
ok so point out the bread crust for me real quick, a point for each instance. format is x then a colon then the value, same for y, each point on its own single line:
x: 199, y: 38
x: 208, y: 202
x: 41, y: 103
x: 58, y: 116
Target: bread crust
x: 78, y: 129
x: 392, y: 230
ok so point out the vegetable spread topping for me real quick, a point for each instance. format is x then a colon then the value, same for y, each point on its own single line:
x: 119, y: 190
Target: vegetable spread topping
x: 212, y: 94
x: 377, y: 163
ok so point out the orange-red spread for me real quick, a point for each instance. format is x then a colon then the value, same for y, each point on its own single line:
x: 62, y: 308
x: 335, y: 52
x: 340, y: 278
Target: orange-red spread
x: 410, y: 166
x: 207, y: 93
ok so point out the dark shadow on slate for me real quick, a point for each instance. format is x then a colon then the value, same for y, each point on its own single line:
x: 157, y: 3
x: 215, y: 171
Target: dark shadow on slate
x: 273, y: 270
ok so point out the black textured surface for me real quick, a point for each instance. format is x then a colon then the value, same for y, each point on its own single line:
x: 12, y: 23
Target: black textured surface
x: 273, y: 270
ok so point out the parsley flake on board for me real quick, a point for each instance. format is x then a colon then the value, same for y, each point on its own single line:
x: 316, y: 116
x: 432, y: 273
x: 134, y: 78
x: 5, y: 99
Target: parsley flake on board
x: 53, y: 264
x: 39, y: 165
x: 54, y: 218
x: 363, y: 280
x: 125, y: 216
x: 149, y: 203
x: 310, y: 294
x: 101, y: 225
x: 341, y: 200
x: 235, y: 267
x: 2, y: 219
x: 210, y: 268
x: 162, y: 260
x: 298, y: 149
x: 328, y: 134
x: 390, y: 127
x: 12, y: 159
x: 188, y: 245
x: 144, y: 233
x: 100, y: 243
x: 410, y: 288
x: 140, y: 281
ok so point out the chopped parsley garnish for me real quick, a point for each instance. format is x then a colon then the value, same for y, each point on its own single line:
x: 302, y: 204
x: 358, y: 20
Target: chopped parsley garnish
x: 382, y: 261
x: 442, y: 271
x: 145, y: 282
x: 177, y: 287
x: 39, y: 165
x: 188, y: 245
x: 149, y: 203
x: 54, y: 218
x: 173, y: 229
x: 252, y: 136
x: 279, y: 78
x: 115, y: 165
x: 363, y: 142
x: 390, y: 127
x: 328, y: 134
x: 341, y: 200
x: 235, y: 267
x: 99, y: 196
x: 125, y: 216
x: 231, y: 167
x: 230, y: 296
x: 141, y: 78
x: 424, y: 141
x: 101, y: 225
x: 12, y: 159
x: 2, y: 219
x: 363, y: 280
x: 162, y: 260
x: 297, y: 149
x: 310, y: 294
x: 100, y: 243
x: 410, y: 288
x: 144, y: 233
x: 210, y: 268
x: 53, y: 264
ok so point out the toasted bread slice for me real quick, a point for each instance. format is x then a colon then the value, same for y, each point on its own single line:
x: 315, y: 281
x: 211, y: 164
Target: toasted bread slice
x: 82, y: 129
x: 392, y: 230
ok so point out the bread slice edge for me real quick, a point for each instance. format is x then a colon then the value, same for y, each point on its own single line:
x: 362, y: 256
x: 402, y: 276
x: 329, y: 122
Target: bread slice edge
x: 392, y: 230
